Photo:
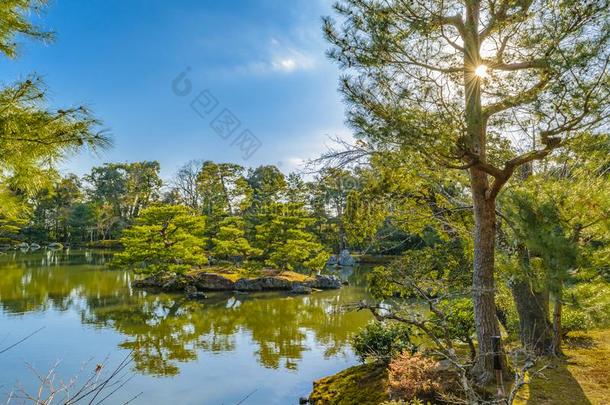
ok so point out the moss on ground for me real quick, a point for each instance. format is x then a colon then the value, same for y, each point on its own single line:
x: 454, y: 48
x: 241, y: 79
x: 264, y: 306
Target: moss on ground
x: 237, y: 273
x: 583, y: 377
x: 364, y: 384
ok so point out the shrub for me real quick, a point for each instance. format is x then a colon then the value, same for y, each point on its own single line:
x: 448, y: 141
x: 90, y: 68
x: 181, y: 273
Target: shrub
x: 414, y: 401
x: 574, y: 319
x: 382, y: 340
x: 589, y: 301
x: 413, y: 376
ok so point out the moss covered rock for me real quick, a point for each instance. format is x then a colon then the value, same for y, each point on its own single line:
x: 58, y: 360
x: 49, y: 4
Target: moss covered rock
x: 363, y: 384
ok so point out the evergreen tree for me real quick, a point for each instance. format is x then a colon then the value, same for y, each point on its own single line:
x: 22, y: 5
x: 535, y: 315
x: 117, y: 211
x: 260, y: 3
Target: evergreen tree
x: 230, y: 241
x: 163, y: 238
x: 286, y: 242
x: 447, y: 79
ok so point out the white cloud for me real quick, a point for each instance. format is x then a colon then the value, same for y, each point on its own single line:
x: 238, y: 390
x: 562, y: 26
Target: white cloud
x: 286, y: 65
x: 280, y: 58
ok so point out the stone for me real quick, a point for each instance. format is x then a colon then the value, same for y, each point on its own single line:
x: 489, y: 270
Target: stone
x: 193, y: 294
x: 174, y: 284
x: 23, y: 246
x: 262, y: 283
x: 300, y: 289
x: 326, y: 282
x: 332, y: 260
x: 345, y: 259
x: 212, y: 282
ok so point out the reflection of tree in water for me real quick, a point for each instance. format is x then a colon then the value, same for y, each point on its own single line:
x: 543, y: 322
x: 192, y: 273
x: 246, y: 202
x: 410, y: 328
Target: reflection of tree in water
x: 164, y: 330
x: 54, y: 280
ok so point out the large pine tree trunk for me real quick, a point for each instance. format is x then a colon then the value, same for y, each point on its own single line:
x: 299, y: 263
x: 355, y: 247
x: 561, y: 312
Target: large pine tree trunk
x: 533, y: 309
x: 535, y: 329
x: 557, y: 329
x: 483, y: 293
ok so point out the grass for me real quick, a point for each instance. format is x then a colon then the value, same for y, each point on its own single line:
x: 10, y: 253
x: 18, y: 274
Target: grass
x: 363, y: 384
x: 583, y: 377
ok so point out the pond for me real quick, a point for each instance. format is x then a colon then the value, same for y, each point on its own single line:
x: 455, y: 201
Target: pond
x: 264, y: 348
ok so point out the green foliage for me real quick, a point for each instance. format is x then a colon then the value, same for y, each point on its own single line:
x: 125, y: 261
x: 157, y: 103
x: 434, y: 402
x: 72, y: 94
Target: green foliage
x: 436, y: 269
x: 285, y: 241
x: 267, y: 184
x: 587, y: 305
x: 538, y: 224
x: 381, y: 341
x: 10, y: 229
x: 230, y: 243
x: 124, y: 189
x: 33, y: 137
x: 163, y: 238
x: 14, y: 21
x: 221, y: 186
x: 457, y: 320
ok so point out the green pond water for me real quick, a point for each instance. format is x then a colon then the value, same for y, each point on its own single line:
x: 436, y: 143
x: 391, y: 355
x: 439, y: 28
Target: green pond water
x: 268, y: 347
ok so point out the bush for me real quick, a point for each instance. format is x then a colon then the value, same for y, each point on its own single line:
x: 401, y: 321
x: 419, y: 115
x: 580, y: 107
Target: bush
x: 382, y: 341
x: 574, y: 319
x: 413, y: 376
x: 589, y: 301
x: 110, y: 244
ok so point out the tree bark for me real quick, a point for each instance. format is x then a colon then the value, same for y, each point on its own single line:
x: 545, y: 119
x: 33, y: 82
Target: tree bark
x: 533, y: 309
x: 483, y: 285
x: 557, y: 332
x: 483, y: 288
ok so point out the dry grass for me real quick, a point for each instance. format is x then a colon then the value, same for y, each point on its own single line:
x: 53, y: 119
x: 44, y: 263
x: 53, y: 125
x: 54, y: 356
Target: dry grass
x: 583, y: 377
x: 292, y: 276
x: 237, y: 273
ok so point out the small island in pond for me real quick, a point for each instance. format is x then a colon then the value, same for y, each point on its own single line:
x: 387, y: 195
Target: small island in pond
x: 219, y: 279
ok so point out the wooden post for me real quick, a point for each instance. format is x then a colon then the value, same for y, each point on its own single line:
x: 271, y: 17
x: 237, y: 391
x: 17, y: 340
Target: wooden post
x: 497, y: 360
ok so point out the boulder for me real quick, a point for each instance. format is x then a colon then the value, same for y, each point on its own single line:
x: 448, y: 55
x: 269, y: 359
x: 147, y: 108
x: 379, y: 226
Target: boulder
x: 152, y: 281
x: 175, y: 284
x: 325, y: 282
x: 332, y: 260
x: 23, y: 246
x: 212, y: 282
x: 345, y: 259
x: 193, y: 294
x: 300, y: 289
x: 263, y: 283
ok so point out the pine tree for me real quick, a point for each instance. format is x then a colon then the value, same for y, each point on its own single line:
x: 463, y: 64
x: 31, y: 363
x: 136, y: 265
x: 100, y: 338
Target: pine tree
x: 286, y: 242
x: 164, y: 238
x: 448, y: 79
x: 230, y: 241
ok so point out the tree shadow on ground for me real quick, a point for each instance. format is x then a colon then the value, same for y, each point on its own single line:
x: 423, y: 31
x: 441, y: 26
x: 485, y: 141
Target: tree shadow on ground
x: 557, y: 386
x: 579, y: 378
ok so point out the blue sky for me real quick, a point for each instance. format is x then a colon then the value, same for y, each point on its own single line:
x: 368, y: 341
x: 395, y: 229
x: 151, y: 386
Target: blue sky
x: 263, y: 60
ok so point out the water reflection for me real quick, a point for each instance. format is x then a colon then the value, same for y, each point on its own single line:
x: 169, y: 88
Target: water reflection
x: 164, y: 330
